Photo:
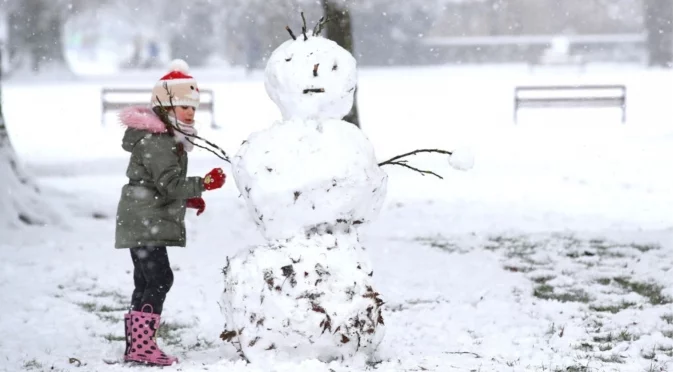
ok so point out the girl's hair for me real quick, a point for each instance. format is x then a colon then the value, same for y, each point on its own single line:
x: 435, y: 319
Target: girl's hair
x: 162, y: 113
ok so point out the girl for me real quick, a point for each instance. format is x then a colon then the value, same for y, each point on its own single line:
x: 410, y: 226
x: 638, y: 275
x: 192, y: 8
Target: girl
x: 151, y: 210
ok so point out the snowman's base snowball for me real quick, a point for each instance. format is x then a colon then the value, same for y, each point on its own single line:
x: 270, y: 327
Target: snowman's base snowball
x: 303, y: 299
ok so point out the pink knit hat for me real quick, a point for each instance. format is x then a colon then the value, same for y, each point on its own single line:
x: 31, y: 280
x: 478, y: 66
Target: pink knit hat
x: 178, y: 83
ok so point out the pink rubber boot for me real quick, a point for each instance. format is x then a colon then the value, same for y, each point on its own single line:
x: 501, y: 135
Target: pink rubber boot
x: 144, y: 347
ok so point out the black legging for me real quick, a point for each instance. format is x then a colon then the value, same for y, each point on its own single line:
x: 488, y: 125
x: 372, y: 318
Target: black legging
x: 152, y: 277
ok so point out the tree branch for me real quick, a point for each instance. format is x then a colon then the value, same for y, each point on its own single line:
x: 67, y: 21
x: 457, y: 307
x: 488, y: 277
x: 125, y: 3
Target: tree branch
x: 171, y: 128
x: 319, y: 26
x: 398, y: 160
x: 421, y: 171
x: 223, y: 157
x: 398, y: 157
x: 291, y: 33
x: 303, y: 27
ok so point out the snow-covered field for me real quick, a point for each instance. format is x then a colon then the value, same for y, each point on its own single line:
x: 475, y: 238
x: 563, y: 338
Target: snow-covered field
x: 552, y: 254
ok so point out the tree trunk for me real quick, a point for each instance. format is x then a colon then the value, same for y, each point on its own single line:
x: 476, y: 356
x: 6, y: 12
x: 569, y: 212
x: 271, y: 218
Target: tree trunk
x: 37, y: 29
x: 340, y: 30
x: 4, y: 137
x: 659, y: 24
x: 21, y: 201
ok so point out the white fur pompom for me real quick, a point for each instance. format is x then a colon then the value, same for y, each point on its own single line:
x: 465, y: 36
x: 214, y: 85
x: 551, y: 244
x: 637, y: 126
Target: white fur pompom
x: 462, y: 159
x: 179, y: 65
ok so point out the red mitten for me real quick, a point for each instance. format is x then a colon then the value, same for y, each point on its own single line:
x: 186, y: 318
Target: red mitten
x: 197, y: 203
x: 214, y: 179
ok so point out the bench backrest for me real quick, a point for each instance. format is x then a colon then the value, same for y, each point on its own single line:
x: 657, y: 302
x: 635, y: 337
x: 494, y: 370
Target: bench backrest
x: 117, y: 98
x: 570, y: 96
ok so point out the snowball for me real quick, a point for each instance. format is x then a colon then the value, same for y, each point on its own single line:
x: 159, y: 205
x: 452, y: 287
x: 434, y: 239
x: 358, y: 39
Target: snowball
x: 462, y: 159
x: 291, y: 75
x: 297, y: 175
x: 179, y: 65
x: 302, y: 299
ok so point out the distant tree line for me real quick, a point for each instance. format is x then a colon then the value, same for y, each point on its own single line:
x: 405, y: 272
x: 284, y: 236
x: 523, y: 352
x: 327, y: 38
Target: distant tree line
x: 244, y: 32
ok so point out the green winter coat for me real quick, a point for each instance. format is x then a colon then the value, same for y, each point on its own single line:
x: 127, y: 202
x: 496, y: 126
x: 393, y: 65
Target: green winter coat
x: 151, y: 210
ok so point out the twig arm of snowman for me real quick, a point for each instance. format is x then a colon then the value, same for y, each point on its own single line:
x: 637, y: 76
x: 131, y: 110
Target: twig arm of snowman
x: 222, y: 155
x: 462, y: 160
x: 403, y: 163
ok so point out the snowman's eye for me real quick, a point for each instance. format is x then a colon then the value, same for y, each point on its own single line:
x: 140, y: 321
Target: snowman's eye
x: 335, y: 67
x: 192, y: 87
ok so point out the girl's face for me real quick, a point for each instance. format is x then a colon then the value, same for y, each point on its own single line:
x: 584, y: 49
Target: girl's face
x: 185, y: 114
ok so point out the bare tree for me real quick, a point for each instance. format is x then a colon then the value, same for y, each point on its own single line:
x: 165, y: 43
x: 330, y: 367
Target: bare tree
x: 340, y: 30
x: 21, y: 201
x: 36, y: 28
x: 659, y: 25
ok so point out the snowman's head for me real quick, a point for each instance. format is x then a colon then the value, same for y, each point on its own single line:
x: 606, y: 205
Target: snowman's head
x: 311, y: 78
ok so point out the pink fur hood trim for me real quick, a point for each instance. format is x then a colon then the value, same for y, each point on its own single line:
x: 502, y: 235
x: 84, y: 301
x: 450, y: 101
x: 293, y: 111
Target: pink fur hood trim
x: 143, y: 118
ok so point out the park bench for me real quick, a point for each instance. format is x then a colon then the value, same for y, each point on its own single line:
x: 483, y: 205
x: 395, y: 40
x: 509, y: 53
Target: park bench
x: 567, y: 96
x: 117, y: 98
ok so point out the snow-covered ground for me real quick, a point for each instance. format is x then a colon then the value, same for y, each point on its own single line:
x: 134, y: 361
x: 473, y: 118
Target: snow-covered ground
x: 552, y: 254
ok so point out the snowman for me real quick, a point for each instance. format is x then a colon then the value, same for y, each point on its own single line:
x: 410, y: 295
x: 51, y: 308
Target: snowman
x: 309, y: 182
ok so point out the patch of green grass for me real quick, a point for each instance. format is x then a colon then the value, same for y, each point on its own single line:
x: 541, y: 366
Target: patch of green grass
x: 568, y: 241
x: 439, y: 243
x: 201, y: 345
x: 606, y: 249
x: 110, y: 309
x: 646, y: 247
x: 114, y: 338
x: 109, y: 318
x: 168, y: 332
x: 614, y: 309
x: 626, y: 336
x: 518, y: 269
x: 517, y: 246
x: 598, y: 243
x: 89, y: 307
x: 597, y: 323
x: 543, y: 279
x: 656, y: 368
x: 546, y: 292
x: 668, y: 333
x: 572, y: 369
x: 586, y: 347
x: 92, y: 307
x: 609, y: 338
x: 664, y: 348
x: 116, y: 296
x: 651, y: 291
x: 604, y: 281
x: 32, y: 364
x: 577, y: 254
x: 614, y: 358
x: 104, y: 294
x: 668, y: 318
x: 543, y: 291
x: 649, y: 355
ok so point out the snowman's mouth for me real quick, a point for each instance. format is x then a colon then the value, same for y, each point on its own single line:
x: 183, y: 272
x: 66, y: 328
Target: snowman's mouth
x: 314, y: 90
